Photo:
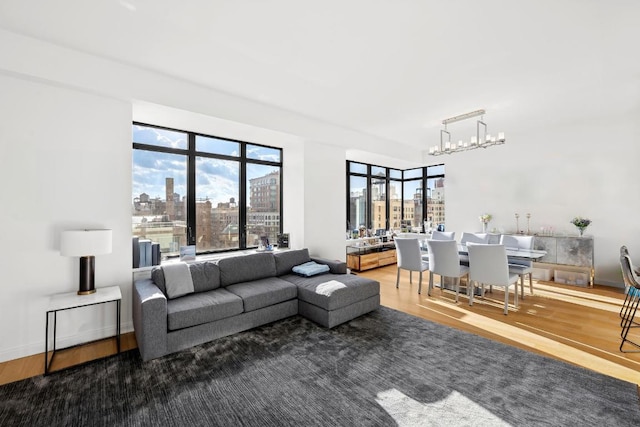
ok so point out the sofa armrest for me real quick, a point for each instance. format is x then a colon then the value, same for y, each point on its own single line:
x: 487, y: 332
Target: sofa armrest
x: 335, y: 266
x: 149, y: 319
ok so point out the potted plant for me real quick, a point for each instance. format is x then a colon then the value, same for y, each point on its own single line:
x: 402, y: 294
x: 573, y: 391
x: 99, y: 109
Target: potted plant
x: 581, y: 224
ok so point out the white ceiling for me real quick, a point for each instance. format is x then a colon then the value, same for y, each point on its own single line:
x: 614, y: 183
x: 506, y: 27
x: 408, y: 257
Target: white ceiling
x: 393, y: 69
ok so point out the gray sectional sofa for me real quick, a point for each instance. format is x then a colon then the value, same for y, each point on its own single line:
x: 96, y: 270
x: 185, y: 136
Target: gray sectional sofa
x: 242, y: 292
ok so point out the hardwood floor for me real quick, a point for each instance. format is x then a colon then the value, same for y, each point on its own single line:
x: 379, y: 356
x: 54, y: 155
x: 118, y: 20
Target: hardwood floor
x: 577, y: 325
x: 31, y: 366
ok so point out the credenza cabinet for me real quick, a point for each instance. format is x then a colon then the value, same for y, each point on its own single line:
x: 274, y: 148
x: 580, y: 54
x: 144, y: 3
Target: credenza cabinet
x: 366, y: 254
x: 568, y: 256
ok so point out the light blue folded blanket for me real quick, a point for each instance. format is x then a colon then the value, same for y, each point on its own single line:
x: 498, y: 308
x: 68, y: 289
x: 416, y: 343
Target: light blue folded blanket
x: 310, y: 268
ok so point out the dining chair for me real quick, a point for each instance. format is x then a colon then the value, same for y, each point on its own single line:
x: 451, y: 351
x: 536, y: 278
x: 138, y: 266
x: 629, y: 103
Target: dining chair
x: 439, y: 235
x: 488, y: 266
x: 444, y: 261
x: 474, y: 238
x: 628, y: 317
x: 629, y: 274
x: 466, y: 237
x: 410, y: 258
x: 443, y: 235
x: 519, y: 266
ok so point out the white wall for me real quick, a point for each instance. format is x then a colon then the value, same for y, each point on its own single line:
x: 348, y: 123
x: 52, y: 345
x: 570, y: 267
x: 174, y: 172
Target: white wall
x: 324, y: 200
x: 587, y: 168
x: 66, y: 164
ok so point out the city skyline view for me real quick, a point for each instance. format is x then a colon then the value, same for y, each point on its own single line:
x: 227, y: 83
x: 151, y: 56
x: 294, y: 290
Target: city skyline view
x: 160, y: 194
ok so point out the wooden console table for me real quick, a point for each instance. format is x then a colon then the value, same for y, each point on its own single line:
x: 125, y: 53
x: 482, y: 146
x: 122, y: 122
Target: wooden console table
x: 368, y: 253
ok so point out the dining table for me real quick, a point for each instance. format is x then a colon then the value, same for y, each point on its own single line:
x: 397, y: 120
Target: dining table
x: 512, y: 254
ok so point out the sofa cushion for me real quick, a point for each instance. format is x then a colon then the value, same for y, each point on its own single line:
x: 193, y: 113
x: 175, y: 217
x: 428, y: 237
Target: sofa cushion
x: 263, y: 293
x: 205, y: 277
x: 204, y: 307
x: 246, y: 268
x: 286, y: 260
x: 310, y: 268
x: 357, y: 288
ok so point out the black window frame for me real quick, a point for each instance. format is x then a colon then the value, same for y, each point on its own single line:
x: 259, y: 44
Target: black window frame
x: 428, y: 172
x: 191, y: 153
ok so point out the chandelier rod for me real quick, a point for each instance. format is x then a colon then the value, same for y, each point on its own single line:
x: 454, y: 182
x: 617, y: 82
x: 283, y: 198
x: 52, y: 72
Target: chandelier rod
x: 463, y: 117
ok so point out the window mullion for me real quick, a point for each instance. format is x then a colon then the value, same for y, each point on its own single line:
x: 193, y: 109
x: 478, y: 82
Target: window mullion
x: 242, y: 206
x: 191, y: 191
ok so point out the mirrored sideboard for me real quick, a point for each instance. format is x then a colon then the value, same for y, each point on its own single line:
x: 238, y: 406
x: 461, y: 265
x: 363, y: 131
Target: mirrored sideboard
x: 567, y: 254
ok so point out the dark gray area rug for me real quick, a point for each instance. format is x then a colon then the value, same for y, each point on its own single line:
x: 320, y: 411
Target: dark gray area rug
x: 383, y: 369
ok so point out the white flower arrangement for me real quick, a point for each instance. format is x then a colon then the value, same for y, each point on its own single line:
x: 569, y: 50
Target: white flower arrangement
x: 485, y: 218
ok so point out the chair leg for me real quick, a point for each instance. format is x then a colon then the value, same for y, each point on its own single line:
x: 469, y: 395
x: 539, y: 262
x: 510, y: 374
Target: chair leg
x: 516, y: 295
x: 531, y: 283
x: 506, y: 298
x: 628, y: 324
x: 521, y: 286
x: 430, y: 283
x: 410, y: 277
x: 457, y: 288
x: 624, y: 304
x: 470, y: 291
x: 420, y: 283
x: 398, y: 277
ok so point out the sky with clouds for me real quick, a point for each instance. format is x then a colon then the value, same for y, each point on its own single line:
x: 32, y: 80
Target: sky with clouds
x: 216, y: 179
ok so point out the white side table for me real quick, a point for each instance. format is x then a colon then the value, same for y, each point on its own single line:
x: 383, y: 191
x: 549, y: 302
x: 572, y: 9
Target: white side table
x: 71, y: 300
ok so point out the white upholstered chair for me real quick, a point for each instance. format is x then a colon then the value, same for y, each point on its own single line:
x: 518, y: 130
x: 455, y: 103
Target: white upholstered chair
x: 409, y: 258
x: 488, y: 266
x: 444, y: 261
x: 466, y: 237
x: 473, y: 238
x: 440, y: 235
x: 443, y: 235
x: 519, y: 266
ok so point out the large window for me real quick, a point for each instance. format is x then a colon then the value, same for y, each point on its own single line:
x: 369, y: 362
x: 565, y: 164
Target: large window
x: 193, y: 189
x: 391, y: 199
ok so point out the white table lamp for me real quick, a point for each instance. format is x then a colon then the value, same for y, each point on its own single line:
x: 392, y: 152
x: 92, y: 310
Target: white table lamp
x: 85, y: 244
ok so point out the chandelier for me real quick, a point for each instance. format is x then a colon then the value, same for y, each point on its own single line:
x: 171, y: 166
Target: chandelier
x: 479, y: 140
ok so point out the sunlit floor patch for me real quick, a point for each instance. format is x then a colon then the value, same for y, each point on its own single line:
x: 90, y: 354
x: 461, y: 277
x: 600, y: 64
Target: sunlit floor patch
x: 455, y: 409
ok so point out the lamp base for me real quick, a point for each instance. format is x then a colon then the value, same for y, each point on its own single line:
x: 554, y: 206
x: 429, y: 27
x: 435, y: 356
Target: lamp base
x: 87, y: 269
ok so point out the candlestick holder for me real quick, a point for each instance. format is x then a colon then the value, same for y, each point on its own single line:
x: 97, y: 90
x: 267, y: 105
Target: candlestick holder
x: 528, y: 219
x: 517, y: 223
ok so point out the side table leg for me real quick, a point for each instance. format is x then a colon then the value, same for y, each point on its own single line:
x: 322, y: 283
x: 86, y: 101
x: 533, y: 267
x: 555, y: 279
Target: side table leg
x: 46, y: 345
x: 118, y: 324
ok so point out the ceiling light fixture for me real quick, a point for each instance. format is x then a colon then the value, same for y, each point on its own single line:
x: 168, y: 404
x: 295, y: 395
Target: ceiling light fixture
x: 478, y: 141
